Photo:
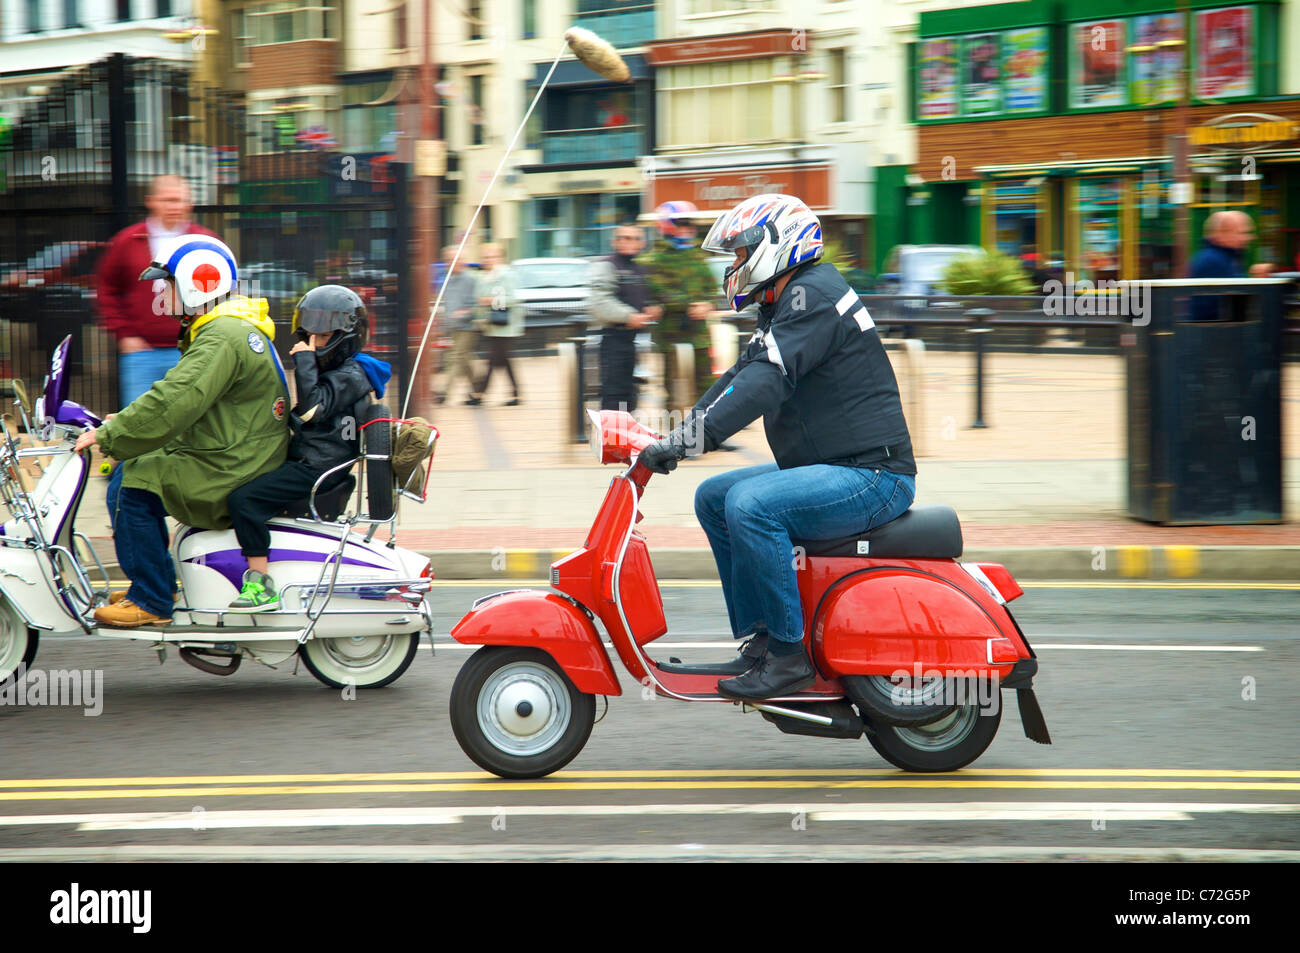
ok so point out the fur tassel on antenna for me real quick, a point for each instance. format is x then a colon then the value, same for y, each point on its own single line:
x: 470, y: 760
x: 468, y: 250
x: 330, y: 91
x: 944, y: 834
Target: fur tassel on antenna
x: 597, y: 54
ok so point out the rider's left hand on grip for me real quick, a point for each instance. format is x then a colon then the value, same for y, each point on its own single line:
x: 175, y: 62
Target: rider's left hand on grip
x: 660, y: 457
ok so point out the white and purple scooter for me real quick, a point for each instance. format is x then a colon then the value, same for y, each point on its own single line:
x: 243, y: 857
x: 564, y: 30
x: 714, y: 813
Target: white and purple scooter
x: 351, y: 607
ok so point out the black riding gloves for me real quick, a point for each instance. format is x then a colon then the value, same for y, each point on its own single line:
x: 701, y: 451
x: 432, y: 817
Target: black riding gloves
x: 688, y: 440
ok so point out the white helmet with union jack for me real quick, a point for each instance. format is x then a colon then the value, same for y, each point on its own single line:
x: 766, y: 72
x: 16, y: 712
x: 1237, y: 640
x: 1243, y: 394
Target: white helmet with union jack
x: 203, y: 268
x: 779, y: 232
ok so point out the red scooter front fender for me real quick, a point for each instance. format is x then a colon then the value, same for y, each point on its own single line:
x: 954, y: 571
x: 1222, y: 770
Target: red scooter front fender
x: 543, y: 620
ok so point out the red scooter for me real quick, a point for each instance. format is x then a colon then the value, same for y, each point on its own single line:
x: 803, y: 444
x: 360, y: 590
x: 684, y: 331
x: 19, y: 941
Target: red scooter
x: 912, y: 647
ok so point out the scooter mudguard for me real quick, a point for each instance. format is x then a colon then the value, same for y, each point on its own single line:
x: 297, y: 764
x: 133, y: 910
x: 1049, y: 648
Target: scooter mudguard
x: 543, y: 620
x: 889, y: 620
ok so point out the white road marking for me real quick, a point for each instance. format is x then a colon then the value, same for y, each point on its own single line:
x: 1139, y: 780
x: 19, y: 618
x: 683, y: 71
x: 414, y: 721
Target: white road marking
x: 514, y: 851
x: 423, y: 816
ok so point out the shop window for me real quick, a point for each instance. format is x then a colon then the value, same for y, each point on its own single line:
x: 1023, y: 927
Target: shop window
x: 599, y: 124
x: 474, y: 19
x: 528, y: 19
x: 70, y: 18
x: 1225, y: 48
x: 476, y: 110
x: 1156, y: 59
x: 1015, y: 209
x: 123, y: 10
x: 287, y: 22
x: 739, y: 98
x: 33, y: 16
x: 983, y: 74
x: 624, y: 23
x: 578, y: 225
x: 1100, y: 217
x: 837, y: 85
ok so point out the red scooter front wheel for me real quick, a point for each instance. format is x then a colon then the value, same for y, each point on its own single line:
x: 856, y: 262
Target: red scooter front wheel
x: 516, y: 714
x: 952, y: 742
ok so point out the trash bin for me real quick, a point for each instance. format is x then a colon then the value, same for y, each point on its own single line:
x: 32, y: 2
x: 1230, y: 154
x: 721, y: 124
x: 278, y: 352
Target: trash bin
x: 1204, y: 367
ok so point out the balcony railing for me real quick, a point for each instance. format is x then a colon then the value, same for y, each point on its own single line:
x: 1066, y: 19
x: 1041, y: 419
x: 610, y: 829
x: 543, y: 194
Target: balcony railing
x: 623, y: 28
x: 601, y: 144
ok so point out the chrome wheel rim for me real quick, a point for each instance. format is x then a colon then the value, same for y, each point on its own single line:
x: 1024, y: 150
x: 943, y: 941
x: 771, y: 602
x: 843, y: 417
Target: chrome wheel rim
x: 524, y: 709
x: 908, y: 691
x: 13, y: 642
x: 948, y: 732
x: 359, y: 652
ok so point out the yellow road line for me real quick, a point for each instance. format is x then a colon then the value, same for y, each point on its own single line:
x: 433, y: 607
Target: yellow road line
x: 649, y: 775
x: 506, y: 583
x: 789, y: 784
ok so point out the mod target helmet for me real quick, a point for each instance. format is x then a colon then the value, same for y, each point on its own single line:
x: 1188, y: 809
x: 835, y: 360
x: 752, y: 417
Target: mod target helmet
x: 338, y: 312
x: 202, y: 267
x: 779, y: 233
x: 675, y: 222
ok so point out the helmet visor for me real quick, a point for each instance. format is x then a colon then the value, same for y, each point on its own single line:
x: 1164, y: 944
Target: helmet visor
x: 719, y: 241
x: 307, y: 321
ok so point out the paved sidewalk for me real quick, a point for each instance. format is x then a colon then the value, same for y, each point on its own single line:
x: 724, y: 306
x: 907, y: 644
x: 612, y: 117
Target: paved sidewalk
x: 1042, y: 488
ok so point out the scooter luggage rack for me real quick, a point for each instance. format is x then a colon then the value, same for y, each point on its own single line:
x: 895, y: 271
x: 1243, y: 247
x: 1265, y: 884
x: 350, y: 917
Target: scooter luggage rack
x: 334, y: 561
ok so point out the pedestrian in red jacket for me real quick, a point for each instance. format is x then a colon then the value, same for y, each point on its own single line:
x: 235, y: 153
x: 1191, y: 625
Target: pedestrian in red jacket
x: 130, y: 308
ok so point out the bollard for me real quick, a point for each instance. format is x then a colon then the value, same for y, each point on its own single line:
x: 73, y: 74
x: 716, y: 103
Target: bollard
x: 979, y: 316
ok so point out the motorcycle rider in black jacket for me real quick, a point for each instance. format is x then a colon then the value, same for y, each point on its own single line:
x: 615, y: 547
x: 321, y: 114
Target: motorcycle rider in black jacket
x: 816, y: 371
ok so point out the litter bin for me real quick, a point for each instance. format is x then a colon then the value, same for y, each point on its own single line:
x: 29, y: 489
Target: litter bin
x: 1204, y: 370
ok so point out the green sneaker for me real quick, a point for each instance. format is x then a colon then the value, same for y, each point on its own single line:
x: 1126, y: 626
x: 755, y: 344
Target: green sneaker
x: 258, y: 594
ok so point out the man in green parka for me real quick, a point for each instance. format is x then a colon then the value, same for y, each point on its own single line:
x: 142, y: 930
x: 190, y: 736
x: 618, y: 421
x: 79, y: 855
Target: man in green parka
x: 215, y: 422
x: 680, y: 279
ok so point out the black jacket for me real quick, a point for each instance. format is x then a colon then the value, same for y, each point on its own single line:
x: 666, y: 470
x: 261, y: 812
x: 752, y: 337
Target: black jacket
x: 816, y: 372
x: 326, y: 420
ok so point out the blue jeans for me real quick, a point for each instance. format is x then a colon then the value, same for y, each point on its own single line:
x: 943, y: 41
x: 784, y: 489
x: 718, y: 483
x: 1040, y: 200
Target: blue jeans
x: 140, y: 538
x: 136, y: 373
x: 752, y: 514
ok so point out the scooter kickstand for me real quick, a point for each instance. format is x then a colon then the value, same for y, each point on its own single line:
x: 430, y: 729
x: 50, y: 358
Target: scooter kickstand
x: 161, y: 649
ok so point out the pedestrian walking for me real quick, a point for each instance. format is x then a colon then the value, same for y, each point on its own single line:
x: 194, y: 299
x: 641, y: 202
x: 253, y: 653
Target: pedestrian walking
x: 620, y: 304
x: 128, y: 307
x: 460, y: 305
x: 680, y: 278
x: 503, y: 316
x: 134, y: 311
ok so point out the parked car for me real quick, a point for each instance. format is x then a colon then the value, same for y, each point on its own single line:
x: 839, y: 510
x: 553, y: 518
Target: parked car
x: 918, y: 269
x: 553, y: 290
x: 65, y: 263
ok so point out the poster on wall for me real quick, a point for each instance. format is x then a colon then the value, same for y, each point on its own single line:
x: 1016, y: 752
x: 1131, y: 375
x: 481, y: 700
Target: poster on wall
x: 1098, y: 64
x: 981, y: 90
x: 1024, y: 64
x: 1099, y: 227
x: 937, y: 69
x: 1225, y: 42
x: 1157, y: 58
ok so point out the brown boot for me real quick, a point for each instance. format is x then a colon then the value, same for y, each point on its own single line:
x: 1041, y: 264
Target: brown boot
x: 127, y: 615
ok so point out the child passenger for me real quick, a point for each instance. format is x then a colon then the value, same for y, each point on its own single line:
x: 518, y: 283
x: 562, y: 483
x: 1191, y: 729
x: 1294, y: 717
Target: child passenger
x: 332, y: 378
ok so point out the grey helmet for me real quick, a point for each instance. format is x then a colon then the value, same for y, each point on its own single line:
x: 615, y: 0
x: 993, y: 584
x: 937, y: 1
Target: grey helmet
x: 338, y: 312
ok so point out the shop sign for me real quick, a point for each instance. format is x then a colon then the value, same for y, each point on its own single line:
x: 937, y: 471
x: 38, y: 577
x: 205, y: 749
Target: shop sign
x: 1245, y: 132
x: 741, y: 46
x: 721, y: 189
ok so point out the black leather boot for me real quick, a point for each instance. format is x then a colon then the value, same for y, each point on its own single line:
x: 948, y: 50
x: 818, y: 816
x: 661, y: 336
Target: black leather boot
x: 751, y: 650
x: 771, y: 676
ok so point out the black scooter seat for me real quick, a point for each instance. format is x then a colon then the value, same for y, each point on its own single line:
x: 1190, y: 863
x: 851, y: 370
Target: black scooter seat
x: 923, y: 532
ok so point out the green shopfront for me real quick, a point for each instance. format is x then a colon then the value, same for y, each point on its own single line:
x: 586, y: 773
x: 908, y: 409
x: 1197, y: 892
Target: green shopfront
x: 1054, y: 124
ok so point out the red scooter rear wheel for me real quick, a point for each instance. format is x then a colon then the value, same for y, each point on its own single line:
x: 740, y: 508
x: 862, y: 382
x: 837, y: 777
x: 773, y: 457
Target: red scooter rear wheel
x: 952, y: 742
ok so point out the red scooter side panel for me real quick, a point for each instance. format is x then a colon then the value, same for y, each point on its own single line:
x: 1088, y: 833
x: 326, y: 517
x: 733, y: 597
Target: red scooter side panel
x: 639, y: 593
x: 895, y: 616
x: 545, y: 621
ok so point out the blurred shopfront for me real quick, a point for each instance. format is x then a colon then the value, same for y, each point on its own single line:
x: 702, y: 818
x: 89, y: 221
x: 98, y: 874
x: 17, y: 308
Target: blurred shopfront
x: 1060, y: 121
